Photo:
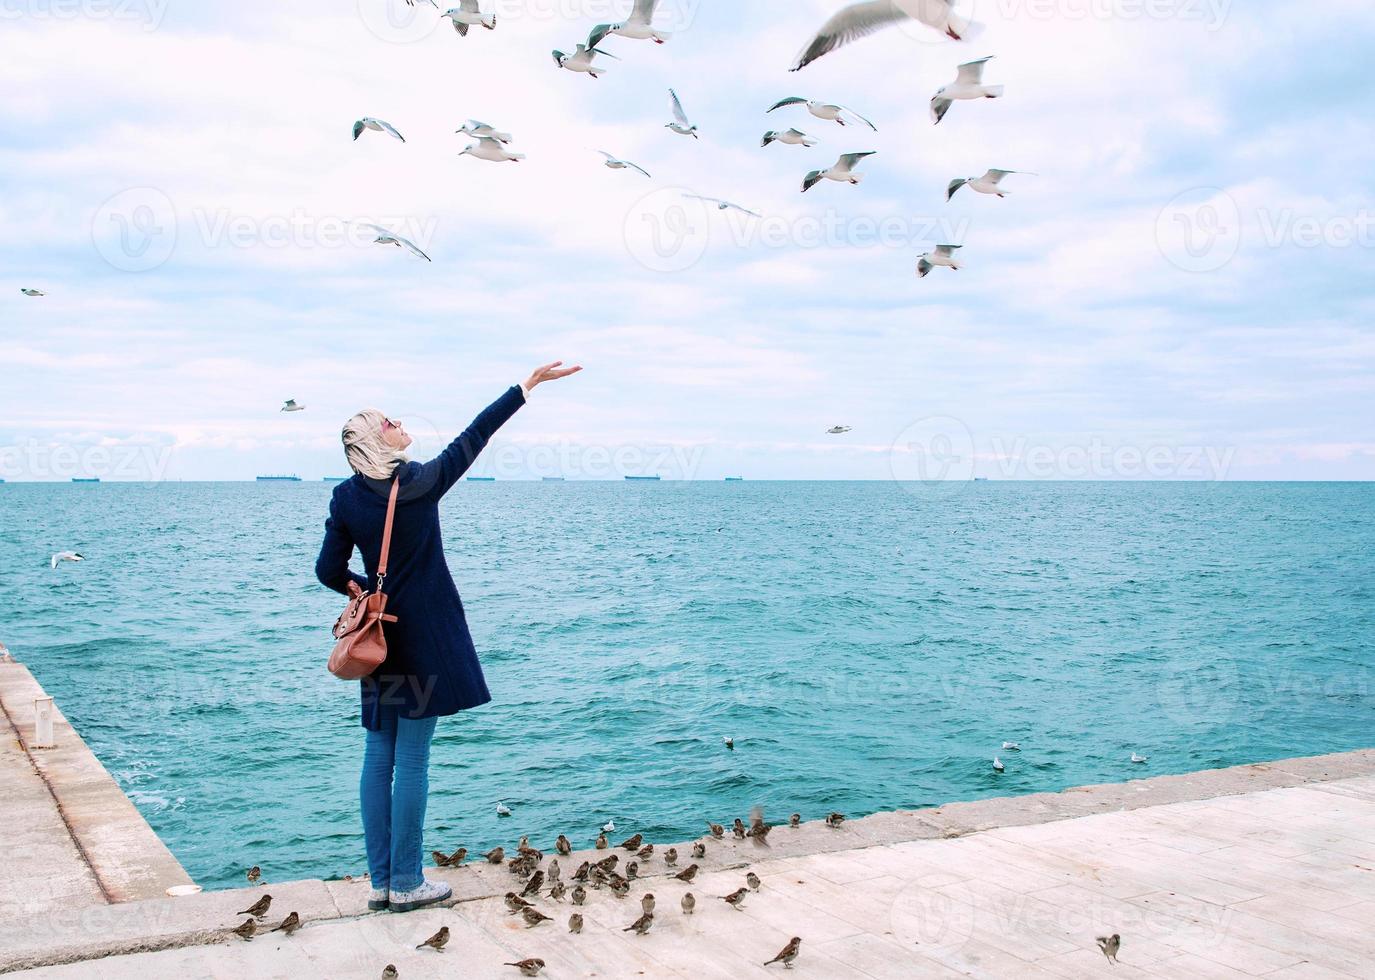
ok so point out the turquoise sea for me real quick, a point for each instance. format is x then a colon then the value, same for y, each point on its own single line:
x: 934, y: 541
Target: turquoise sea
x: 869, y: 646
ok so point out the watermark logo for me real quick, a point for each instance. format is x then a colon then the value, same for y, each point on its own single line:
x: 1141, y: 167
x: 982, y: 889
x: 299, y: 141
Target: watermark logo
x: 1205, y: 687
x: 934, y: 915
x: 667, y: 232
x: 148, y: 14
x: 1200, y: 229
x: 34, y: 460
x: 934, y: 455
x: 136, y: 230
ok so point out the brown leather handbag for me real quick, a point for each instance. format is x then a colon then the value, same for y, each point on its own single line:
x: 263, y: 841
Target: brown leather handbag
x: 360, y: 645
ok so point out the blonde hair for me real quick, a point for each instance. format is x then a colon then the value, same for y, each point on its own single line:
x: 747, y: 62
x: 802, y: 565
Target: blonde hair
x: 365, y: 449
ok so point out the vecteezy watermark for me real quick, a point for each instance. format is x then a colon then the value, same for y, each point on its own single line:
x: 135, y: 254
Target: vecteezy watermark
x: 405, y: 22
x: 968, y: 16
x: 581, y: 462
x: 1097, y: 459
x: 1203, y: 229
x: 670, y: 230
x: 34, y: 460
x: 1204, y: 686
x: 147, y: 13
x: 934, y: 455
x: 136, y: 230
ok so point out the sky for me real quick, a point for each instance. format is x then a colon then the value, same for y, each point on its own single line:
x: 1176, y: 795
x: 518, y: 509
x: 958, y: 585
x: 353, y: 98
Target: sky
x: 1182, y: 290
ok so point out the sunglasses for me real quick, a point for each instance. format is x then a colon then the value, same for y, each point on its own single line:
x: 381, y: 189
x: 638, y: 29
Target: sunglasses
x: 389, y: 424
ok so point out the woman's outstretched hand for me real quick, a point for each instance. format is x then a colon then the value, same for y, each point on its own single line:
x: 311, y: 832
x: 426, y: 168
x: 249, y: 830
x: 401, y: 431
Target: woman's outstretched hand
x: 549, y: 372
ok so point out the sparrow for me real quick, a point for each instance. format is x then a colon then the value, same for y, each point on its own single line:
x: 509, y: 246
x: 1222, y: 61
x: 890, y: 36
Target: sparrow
x: 246, y: 931
x: 671, y: 856
x: 290, y: 924
x: 687, y: 874
x: 562, y: 846
x: 575, y: 922
x: 717, y: 830
x: 699, y: 850
x: 759, y: 830
x: 581, y: 873
x: 496, y: 855
x: 438, y: 941
x: 795, y: 820
x: 738, y: 829
x: 528, y: 968
x: 736, y: 898
x: 647, y: 903
x: 535, y: 883
x: 644, y: 852
x: 632, y: 870
x: 389, y: 972
x: 834, y: 820
x: 534, y: 917
x: 442, y: 860
x: 558, y: 891
x: 598, y: 876
x: 601, y: 841
x: 633, y: 842
x: 689, y: 903
x: 641, y: 925
x: 752, y: 880
x: 554, y: 870
x: 788, y: 953
x: 515, y: 903
x: 579, y: 895
x: 1110, y: 945
x: 254, y: 873
x: 258, y: 908
x: 608, y: 864
x: 620, y: 887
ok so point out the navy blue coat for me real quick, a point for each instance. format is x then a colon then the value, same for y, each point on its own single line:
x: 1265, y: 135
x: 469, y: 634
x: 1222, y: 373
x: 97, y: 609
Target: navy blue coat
x: 431, y: 668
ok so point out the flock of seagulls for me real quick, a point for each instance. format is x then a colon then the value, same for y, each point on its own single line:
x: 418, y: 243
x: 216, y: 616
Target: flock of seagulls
x: 998, y: 766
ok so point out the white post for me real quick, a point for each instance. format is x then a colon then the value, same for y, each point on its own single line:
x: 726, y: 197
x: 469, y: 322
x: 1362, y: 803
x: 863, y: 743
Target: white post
x: 43, y: 723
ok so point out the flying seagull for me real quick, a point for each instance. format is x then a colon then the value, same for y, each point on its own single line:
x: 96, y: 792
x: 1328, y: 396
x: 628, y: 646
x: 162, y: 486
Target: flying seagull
x: 987, y: 184
x: 385, y: 237
x: 838, y: 430
x: 487, y: 148
x: 65, y: 556
x: 467, y: 15
x: 290, y: 406
x: 680, y: 124
x: 33, y: 292
x: 968, y: 84
x: 616, y: 164
x: 477, y: 130
x: 723, y: 205
x: 412, y: 3
x: 843, y: 171
x: 943, y: 255
x: 638, y: 28
x: 793, y: 137
x: 377, y: 126
x: 824, y: 110
x: 862, y: 19
x: 581, y: 59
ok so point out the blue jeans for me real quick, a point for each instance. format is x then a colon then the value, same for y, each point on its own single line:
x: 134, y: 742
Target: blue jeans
x: 394, y: 805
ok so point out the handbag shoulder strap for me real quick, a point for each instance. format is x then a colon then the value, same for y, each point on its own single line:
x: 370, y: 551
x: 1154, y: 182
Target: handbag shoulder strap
x: 386, y: 534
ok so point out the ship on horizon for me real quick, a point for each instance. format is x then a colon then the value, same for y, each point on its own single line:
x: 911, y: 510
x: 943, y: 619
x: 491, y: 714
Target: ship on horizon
x: 637, y: 479
x: 482, y: 479
x: 280, y: 478
x: 85, y: 479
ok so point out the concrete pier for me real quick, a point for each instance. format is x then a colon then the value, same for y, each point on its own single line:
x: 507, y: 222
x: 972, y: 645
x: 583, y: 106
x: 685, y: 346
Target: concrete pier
x: 1265, y: 870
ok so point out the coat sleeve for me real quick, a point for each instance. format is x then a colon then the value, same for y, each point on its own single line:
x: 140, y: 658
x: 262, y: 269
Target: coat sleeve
x: 332, y: 567
x: 444, y: 470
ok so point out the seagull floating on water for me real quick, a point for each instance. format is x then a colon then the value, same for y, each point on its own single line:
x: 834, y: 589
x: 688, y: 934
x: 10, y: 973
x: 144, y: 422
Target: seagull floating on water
x: 838, y: 430
x: 987, y: 184
x: 723, y: 205
x: 968, y: 84
x: 467, y: 15
x: 842, y: 170
x: 1011, y: 747
x: 65, y: 556
x: 503, y: 810
x: 998, y: 764
x: 33, y: 292
x: 639, y: 27
x: 943, y: 255
x: 1138, y: 758
x: 609, y: 827
x: 385, y: 237
x: 680, y: 124
x: 581, y: 59
x: 862, y: 19
x: 487, y: 148
x: 377, y: 126
x: 828, y: 111
x: 793, y: 137
x: 613, y: 163
x: 728, y: 741
x: 290, y: 406
x: 480, y: 130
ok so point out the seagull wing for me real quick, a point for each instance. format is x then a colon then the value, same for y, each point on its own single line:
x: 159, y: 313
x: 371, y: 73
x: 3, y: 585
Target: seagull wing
x: 643, y: 12
x: 792, y: 101
x: 469, y: 6
x: 710, y: 200
x: 593, y: 50
x: 409, y: 246
x: 599, y: 34
x: 376, y: 229
x: 851, y: 24
x: 947, y: 250
x: 609, y: 157
x: 358, y: 128
x: 860, y: 118
x: 939, y: 107
x: 678, y: 112
x: 847, y: 161
x: 955, y: 185
x: 635, y: 166
x: 752, y: 214
x: 972, y: 72
x: 390, y: 130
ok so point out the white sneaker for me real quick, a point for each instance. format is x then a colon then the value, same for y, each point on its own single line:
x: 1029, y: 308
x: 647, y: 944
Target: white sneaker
x: 428, y: 893
x: 378, y: 899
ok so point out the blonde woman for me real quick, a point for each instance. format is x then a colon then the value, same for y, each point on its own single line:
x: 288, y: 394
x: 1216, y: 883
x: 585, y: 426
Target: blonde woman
x: 431, y: 669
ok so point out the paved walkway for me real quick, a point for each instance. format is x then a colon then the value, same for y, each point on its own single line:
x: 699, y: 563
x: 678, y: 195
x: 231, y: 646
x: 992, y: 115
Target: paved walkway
x: 1201, y: 877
